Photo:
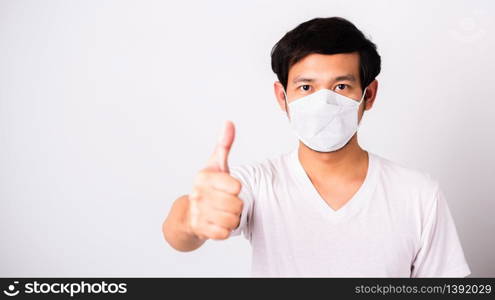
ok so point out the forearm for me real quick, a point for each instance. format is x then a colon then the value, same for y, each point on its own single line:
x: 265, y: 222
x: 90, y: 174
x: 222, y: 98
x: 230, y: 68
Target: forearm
x: 176, y: 230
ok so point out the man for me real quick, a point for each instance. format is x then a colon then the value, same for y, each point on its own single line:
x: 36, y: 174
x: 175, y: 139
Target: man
x: 328, y: 208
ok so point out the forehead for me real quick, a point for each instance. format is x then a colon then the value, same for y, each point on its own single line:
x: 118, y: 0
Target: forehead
x: 325, y: 66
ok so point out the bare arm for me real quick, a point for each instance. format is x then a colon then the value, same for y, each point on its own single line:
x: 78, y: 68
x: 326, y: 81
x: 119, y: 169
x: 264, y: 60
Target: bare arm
x: 176, y: 229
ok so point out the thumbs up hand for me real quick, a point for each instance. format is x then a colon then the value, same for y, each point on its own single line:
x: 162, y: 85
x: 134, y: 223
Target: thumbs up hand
x: 214, y: 207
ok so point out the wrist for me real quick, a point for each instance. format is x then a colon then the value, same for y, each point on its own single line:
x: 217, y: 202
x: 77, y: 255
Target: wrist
x: 187, y: 224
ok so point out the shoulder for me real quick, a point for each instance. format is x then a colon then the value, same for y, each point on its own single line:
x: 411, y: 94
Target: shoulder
x: 410, y: 187
x: 414, y: 195
x: 403, y: 176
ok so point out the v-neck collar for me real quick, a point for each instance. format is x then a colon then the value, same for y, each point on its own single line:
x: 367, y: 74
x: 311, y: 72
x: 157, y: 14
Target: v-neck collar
x: 357, y: 202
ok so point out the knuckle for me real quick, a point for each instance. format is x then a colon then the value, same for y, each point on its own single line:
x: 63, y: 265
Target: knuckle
x: 240, y: 205
x: 235, y: 222
x: 224, y: 221
x: 231, y: 221
x: 221, y: 234
x: 235, y: 205
x: 236, y: 186
x: 232, y: 204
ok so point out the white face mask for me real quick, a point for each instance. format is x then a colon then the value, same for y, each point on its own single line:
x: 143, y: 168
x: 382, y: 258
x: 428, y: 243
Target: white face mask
x: 324, y: 120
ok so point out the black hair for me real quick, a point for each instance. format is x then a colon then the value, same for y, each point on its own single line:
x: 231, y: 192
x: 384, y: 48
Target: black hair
x: 325, y: 36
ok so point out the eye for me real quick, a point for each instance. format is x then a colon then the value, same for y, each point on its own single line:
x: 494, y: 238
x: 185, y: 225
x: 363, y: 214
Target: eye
x: 341, y: 86
x: 305, y: 87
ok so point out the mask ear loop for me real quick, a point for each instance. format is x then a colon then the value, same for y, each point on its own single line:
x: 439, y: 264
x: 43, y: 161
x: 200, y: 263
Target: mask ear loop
x: 286, y: 104
x: 360, y: 101
x: 364, y: 94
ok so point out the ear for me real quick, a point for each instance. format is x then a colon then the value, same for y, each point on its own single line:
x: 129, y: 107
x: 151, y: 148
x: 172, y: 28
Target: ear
x: 278, y: 88
x: 371, y: 94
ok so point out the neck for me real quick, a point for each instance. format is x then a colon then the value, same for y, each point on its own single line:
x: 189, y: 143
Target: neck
x: 344, y: 164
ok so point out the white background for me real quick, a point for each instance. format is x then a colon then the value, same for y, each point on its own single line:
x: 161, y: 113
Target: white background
x: 109, y: 108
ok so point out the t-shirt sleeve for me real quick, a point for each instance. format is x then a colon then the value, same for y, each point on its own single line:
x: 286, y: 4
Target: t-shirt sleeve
x: 440, y: 253
x: 244, y: 175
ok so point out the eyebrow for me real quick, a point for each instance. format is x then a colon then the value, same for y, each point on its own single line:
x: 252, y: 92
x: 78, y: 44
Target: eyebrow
x: 348, y: 77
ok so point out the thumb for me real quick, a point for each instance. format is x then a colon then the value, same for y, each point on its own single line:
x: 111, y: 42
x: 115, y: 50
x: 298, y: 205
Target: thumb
x: 219, y: 159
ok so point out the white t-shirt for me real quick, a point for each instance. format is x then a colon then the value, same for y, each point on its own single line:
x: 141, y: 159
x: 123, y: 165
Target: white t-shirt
x: 398, y: 224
